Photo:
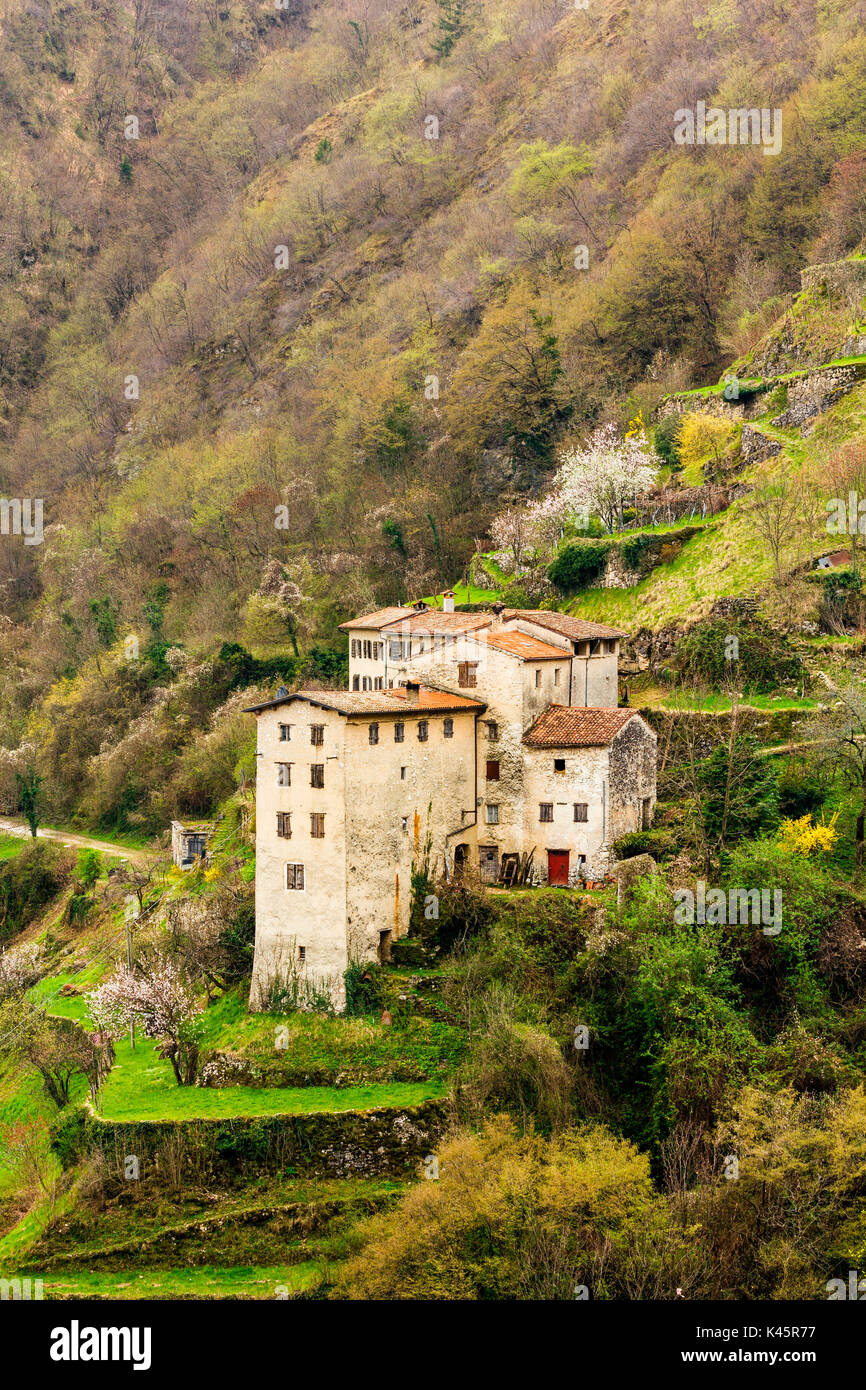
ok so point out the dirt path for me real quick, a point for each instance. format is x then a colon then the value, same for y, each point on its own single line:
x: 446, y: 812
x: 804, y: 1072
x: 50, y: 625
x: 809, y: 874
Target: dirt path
x: 65, y: 837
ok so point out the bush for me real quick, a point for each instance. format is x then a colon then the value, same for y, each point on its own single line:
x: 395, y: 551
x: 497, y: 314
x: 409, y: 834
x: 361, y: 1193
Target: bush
x: 764, y: 660
x: 29, y: 881
x: 799, y: 796
x: 665, y: 441
x: 365, y: 989
x: 633, y: 551
x: 658, y: 843
x: 578, y: 564
x: 516, y: 1217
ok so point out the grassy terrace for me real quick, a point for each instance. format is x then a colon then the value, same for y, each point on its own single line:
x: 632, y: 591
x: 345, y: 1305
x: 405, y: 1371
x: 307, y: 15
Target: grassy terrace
x: 141, y: 1087
x: 204, y: 1281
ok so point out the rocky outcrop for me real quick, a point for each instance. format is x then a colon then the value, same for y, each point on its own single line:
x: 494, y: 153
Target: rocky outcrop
x: 756, y: 447
x: 812, y: 395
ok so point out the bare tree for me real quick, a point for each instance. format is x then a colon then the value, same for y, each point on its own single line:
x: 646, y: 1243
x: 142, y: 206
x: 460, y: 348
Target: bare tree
x: 774, y: 509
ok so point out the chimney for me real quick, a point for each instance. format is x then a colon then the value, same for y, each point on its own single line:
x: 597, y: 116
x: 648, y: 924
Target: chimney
x: 413, y: 692
x: 448, y: 601
x: 497, y: 610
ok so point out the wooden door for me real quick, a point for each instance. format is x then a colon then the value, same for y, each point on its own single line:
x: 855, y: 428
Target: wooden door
x: 557, y: 867
x: 488, y: 863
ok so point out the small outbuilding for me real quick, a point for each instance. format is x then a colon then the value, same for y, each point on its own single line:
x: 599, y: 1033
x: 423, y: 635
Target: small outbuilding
x: 189, y: 842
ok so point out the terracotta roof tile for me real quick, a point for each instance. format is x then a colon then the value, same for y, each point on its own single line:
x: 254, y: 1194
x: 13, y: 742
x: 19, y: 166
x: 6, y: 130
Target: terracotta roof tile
x: 564, y: 623
x: 436, y: 621
x: 526, y: 647
x: 573, y: 726
x: 379, y: 619
x: 383, y: 702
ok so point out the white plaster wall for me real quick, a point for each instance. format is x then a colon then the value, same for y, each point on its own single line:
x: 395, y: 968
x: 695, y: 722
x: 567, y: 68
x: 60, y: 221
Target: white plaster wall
x: 585, y: 779
x: 439, y: 784
x: 316, y: 917
x: 500, y: 685
x: 633, y: 761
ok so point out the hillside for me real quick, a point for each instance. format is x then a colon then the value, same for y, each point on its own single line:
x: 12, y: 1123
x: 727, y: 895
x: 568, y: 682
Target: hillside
x: 315, y: 307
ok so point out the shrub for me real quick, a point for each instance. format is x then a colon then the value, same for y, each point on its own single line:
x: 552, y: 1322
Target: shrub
x: 764, y: 660
x: 658, y: 843
x: 365, y: 990
x: 29, y: 881
x: 633, y: 551
x: 578, y: 564
x: 799, y: 796
x: 516, y: 1217
x: 665, y: 441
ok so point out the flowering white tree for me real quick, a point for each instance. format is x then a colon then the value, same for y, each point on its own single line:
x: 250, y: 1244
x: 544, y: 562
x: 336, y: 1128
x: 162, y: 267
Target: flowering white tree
x: 167, y: 1005
x: 524, y: 530
x: 605, y: 475
x: 19, y: 967
x: 546, y: 520
x: 509, y: 531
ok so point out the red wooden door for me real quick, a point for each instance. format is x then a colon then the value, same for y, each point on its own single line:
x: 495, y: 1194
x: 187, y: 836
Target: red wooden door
x: 557, y: 867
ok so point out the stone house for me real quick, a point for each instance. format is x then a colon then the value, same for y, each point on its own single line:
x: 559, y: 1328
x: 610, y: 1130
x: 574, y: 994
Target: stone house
x: 478, y: 735
x: 189, y: 842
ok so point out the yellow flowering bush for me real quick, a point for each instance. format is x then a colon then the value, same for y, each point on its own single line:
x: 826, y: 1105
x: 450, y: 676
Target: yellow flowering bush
x: 802, y: 837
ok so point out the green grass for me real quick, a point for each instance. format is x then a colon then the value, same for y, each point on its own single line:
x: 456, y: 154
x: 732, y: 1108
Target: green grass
x: 205, y: 1281
x: 141, y: 1086
x: 359, y: 1050
x: 10, y: 845
x: 464, y: 593
x: 717, y: 702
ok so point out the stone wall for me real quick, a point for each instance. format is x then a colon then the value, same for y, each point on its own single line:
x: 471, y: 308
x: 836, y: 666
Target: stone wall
x: 368, y: 1143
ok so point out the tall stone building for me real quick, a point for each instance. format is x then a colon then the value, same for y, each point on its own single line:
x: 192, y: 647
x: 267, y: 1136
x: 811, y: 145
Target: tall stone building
x: 468, y: 736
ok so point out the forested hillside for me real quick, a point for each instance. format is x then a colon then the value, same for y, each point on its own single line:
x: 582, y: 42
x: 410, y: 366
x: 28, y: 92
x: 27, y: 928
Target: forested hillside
x: 293, y: 298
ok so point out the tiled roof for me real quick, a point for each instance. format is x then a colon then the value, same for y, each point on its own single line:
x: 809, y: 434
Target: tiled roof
x: 526, y: 647
x: 379, y: 619
x: 574, y: 628
x: 379, y: 702
x: 434, y: 620
x: 572, y: 726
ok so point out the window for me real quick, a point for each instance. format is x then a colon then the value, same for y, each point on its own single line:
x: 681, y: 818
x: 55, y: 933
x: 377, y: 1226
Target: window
x: 295, y: 877
x: 284, y: 825
x: 355, y: 645
x: 399, y: 732
x: 395, y: 651
x: 559, y: 764
x: 556, y: 675
x: 402, y: 774
x: 317, y: 825
x: 448, y: 728
x: 538, y: 678
x: 545, y: 811
x: 581, y: 810
x: 284, y: 774
x: 491, y: 814
x: 356, y: 682
x: 373, y: 733
x: 377, y: 683
x: 317, y: 774
x: 492, y: 771
x: 368, y: 650
x: 467, y: 674
x: 302, y: 953
x: 492, y: 731
x: 423, y: 730
x: 317, y: 734
x: 285, y: 733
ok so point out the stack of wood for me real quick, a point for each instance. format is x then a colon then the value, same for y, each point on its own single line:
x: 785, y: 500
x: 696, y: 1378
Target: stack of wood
x: 514, y: 869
